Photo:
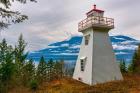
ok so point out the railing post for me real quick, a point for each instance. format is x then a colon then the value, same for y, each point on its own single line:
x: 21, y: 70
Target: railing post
x: 95, y: 20
x: 99, y: 19
x: 106, y: 23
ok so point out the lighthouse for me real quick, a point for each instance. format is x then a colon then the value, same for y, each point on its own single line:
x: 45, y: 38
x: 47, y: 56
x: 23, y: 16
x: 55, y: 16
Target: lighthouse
x: 96, y: 62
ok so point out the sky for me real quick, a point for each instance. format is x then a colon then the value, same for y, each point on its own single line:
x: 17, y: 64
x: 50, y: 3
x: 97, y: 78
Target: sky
x: 57, y: 20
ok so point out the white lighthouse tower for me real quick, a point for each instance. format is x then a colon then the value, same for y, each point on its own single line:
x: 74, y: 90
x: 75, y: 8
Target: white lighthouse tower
x: 96, y: 61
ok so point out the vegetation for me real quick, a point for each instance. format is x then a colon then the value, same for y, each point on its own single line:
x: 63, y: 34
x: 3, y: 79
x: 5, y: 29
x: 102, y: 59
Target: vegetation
x: 42, y: 70
x: 17, y: 71
x: 123, y: 66
x: 8, y: 16
x: 134, y: 67
x: 19, y: 75
x: 130, y: 84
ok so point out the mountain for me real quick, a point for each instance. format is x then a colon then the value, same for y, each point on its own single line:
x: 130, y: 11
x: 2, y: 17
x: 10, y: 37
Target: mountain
x: 68, y: 50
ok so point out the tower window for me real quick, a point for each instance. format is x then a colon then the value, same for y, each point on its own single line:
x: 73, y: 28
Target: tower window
x: 82, y: 65
x: 83, y: 61
x: 87, y: 39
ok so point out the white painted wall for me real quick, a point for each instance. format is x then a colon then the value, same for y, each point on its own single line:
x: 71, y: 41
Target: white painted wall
x: 85, y: 51
x: 105, y: 67
x: 101, y: 65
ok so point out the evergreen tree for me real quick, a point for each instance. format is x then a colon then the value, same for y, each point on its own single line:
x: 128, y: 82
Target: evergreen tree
x: 62, y: 66
x: 131, y: 67
x: 68, y: 70
x: 20, y: 54
x: 50, y: 70
x: 59, y: 69
x: 3, y: 49
x: 20, y: 57
x: 29, y: 72
x: 134, y: 67
x: 7, y: 71
x: 8, y: 16
x: 123, y: 67
x: 42, y: 70
x: 6, y: 66
x: 14, y: 68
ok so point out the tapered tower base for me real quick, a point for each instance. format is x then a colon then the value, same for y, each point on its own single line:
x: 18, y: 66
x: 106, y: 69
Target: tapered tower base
x: 96, y: 62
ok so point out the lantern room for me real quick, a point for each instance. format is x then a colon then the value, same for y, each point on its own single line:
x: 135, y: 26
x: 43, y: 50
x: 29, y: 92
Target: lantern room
x: 95, y: 12
x: 96, y: 20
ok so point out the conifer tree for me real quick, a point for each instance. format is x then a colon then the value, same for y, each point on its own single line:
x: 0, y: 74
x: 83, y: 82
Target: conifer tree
x: 9, y: 16
x: 50, y: 70
x: 15, y: 70
x: 56, y: 70
x: 20, y: 54
x: 123, y: 67
x: 62, y: 66
x: 20, y: 57
x: 42, y: 70
x: 134, y: 67
x: 59, y: 69
x: 29, y: 72
x: 3, y: 49
x: 6, y: 66
x: 68, y: 70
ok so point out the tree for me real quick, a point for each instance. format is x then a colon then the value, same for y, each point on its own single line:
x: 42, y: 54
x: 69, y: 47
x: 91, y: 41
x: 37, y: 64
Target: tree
x: 29, y: 72
x: 15, y: 70
x: 135, y: 65
x: 68, y: 69
x: 3, y: 49
x: 20, y: 58
x: 42, y: 70
x: 59, y: 69
x: 6, y: 66
x: 33, y: 85
x: 7, y: 71
x: 50, y: 70
x: 8, y: 16
x: 123, y: 66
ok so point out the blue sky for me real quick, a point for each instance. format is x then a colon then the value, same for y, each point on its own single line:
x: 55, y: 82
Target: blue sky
x: 56, y: 20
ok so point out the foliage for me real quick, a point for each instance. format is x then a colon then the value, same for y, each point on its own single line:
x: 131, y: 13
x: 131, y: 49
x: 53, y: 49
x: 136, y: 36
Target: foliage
x: 130, y: 84
x: 17, y: 71
x: 28, y: 72
x: 33, y: 84
x: 50, y: 70
x: 3, y: 49
x: 123, y: 67
x: 59, y: 69
x: 20, y: 58
x: 134, y: 67
x: 6, y: 65
x: 8, y: 16
x: 42, y: 70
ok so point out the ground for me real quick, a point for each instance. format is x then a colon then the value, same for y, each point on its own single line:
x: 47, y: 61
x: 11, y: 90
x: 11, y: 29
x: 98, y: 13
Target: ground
x: 130, y: 84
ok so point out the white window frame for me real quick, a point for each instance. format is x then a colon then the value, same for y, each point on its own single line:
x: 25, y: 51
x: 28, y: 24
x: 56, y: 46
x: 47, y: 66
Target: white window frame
x: 83, y: 63
x: 87, y: 38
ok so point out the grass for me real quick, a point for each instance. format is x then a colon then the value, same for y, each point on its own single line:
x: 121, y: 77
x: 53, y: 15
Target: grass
x: 130, y: 84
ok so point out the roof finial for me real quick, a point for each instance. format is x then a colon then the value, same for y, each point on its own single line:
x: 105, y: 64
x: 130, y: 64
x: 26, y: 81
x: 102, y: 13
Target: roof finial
x: 94, y: 6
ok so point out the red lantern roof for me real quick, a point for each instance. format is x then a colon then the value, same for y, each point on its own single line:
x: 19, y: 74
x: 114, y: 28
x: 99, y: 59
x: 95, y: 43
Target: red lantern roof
x: 94, y: 9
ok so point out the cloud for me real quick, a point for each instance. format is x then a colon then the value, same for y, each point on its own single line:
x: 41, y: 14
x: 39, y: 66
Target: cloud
x: 128, y: 47
x: 56, y: 20
x: 121, y: 53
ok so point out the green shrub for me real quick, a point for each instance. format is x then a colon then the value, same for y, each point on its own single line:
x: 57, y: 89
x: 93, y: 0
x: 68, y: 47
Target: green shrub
x: 33, y: 85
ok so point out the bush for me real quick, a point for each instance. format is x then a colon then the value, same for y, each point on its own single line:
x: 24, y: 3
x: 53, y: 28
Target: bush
x: 123, y: 67
x: 33, y: 85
